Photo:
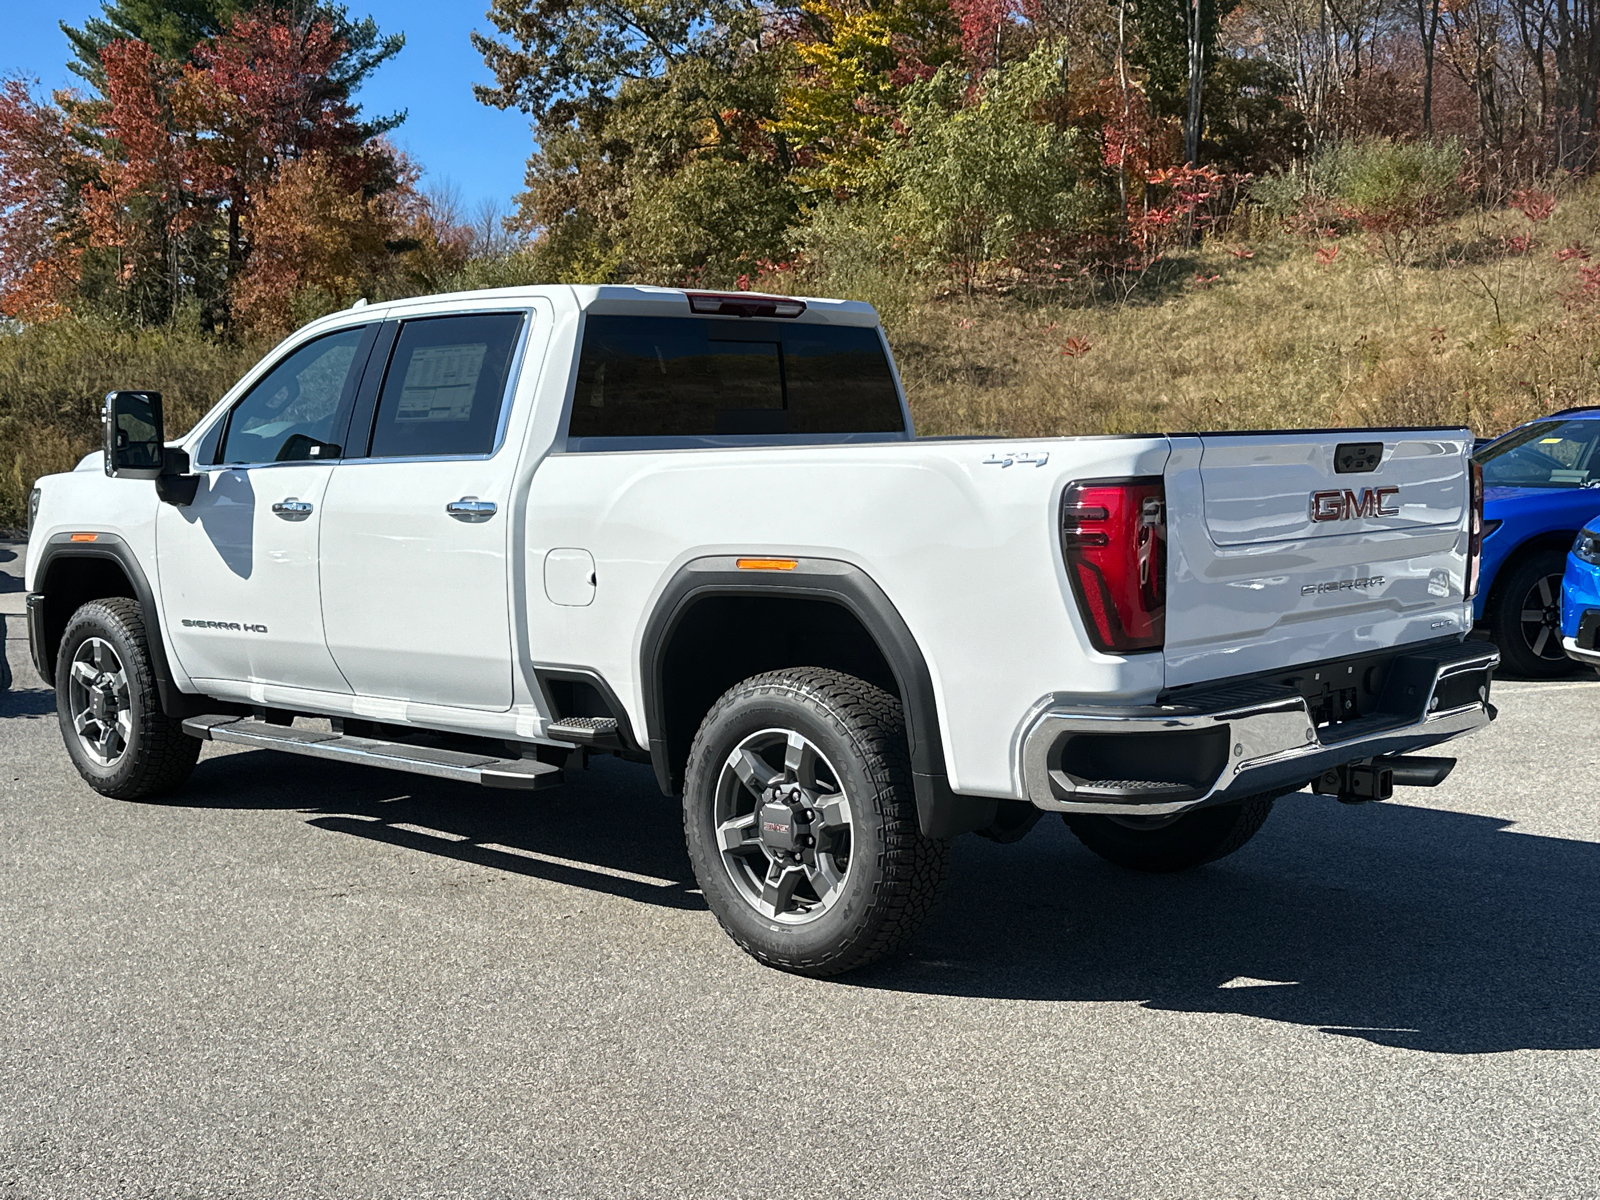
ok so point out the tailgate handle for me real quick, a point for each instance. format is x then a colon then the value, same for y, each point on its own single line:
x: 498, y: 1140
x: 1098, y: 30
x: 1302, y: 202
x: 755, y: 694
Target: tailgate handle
x: 1357, y: 458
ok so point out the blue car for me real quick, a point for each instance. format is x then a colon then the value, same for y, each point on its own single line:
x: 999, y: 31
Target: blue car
x: 1541, y: 486
x: 1580, y: 600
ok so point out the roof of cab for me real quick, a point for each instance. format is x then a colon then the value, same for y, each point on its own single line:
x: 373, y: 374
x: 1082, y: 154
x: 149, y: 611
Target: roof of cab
x: 636, y: 299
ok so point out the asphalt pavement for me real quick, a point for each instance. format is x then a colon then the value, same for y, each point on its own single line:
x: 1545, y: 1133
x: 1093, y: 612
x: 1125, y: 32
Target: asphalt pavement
x: 297, y: 979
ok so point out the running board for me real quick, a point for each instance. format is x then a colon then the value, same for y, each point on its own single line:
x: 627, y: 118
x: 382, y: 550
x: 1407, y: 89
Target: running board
x: 463, y: 766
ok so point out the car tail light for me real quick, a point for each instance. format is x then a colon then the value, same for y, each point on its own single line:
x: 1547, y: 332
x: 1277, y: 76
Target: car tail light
x: 1114, y: 540
x: 744, y: 304
x: 1475, y: 531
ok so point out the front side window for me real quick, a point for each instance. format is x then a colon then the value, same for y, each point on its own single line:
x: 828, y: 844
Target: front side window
x: 646, y: 377
x: 445, y: 386
x: 294, y: 413
x: 1546, y: 454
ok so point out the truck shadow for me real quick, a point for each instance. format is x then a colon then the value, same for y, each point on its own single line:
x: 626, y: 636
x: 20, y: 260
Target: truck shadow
x: 608, y: 831
x: 1408, y: 927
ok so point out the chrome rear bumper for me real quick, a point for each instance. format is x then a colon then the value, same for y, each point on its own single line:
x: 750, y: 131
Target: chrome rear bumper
x: 1244, y: 739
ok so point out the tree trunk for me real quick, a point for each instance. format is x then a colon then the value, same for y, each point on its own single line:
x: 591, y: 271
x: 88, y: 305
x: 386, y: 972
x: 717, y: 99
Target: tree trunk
x: 1191, y: 137
x: 1428, y: 31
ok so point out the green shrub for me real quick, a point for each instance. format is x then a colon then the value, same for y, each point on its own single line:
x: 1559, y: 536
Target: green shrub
x: 970, y: 181
x: 54, y: 377
x: 849, y: 251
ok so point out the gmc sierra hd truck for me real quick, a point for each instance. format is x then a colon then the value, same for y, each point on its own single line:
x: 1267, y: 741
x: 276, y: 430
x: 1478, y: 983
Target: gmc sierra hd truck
x: 483, y: 536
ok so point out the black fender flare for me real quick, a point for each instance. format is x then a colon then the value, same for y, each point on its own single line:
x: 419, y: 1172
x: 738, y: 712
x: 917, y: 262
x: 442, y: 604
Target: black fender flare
x: 45, y: 625
x: 941, y: 812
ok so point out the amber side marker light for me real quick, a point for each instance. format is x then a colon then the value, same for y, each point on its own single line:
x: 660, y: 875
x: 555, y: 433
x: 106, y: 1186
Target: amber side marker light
x: 85, y: 537
x: 766, y: 564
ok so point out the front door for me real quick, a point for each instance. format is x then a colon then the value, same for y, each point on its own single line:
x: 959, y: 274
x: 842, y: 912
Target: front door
x: 415, y: 534
x: 239, y: 566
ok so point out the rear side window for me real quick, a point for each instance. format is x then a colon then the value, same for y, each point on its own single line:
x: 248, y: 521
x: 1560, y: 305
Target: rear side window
x: 681, y: 376
x: 294, y: 412
x: 446, y: 386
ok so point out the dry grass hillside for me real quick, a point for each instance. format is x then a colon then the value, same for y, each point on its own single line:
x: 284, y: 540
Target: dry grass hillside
x: 1250, y: 333
x: 1256, y: 329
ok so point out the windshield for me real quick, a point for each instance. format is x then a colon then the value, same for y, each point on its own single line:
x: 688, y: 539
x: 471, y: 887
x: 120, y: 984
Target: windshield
x: 1546, y: 454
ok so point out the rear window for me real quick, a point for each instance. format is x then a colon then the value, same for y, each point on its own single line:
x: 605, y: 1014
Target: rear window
x: 652, y: 377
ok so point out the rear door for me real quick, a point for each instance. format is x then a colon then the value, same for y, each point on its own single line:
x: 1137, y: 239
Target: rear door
x: 1299, y: 547
x: 416, y: 527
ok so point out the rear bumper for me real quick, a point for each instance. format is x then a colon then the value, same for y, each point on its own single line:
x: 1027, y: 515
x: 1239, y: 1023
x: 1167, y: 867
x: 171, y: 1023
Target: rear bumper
x: 1245, y: 739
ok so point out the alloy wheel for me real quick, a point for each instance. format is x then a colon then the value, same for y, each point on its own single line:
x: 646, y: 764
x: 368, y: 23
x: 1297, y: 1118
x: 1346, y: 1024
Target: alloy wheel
x: 783, y: 826
x: 98, y: 700
x: 1541, y: 619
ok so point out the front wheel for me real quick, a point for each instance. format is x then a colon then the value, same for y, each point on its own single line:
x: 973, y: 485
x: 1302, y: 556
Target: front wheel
x: 1164, y: 844
x: 801, y: 822
x: 119, y: 738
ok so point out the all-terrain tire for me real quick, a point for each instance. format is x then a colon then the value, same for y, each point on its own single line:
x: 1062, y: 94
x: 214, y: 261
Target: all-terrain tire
x: 1518, y: 593
x: 895, y: 874
x: 156, y: 756
x: 1195, y: 838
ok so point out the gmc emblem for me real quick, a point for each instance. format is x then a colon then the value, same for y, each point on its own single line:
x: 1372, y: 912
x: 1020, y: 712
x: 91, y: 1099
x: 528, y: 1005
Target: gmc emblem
x: 1345, y: 505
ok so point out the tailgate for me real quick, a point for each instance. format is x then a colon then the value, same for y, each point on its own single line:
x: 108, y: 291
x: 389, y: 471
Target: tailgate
x: 1301, y: 547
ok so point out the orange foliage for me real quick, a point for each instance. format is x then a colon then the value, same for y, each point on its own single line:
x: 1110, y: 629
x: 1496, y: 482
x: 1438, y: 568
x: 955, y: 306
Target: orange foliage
x: 39, y: 229
x: 310, y: 234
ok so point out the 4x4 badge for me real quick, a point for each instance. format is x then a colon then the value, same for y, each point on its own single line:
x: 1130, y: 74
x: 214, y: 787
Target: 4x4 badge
x: 1024, y: 458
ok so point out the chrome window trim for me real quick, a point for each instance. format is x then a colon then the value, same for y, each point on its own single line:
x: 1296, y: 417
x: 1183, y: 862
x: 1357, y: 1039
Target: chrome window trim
x: 513, y: 377
x: 518, y: 356
x: 227, y: 413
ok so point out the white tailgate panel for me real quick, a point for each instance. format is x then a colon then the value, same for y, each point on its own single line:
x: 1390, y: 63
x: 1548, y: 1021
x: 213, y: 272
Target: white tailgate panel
x: 1256, y: 584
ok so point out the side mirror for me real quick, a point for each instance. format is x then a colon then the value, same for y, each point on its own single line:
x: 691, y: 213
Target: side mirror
x: 136, y: 447
x: 135, y: 436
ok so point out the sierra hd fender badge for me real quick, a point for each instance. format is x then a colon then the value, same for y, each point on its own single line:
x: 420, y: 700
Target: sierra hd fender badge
x: 1341, y: 504
x: 225, y: 626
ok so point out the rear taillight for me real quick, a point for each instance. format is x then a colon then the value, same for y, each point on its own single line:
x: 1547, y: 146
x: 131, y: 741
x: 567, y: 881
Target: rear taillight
x: 1114, y: 540
x: 1475, y: 531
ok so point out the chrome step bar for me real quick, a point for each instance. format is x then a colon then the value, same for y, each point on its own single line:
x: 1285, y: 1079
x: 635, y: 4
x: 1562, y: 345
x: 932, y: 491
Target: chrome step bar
x: 464, y: 766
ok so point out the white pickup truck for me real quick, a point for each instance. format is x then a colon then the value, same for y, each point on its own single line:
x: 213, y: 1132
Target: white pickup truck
x: 483, y: 536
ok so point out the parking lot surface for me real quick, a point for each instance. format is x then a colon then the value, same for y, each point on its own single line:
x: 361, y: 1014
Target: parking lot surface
x: 303, y: 979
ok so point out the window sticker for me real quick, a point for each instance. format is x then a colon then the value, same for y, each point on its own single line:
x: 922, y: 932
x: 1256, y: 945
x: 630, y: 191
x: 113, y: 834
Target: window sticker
x: 440, y: 383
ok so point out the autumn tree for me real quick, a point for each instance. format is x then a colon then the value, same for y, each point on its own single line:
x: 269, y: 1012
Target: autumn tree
x: 42, y: 169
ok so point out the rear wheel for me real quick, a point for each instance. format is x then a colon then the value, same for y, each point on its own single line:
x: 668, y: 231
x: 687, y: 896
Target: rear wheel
x: 1165, y: 844
x: 801, y: 822
x: 1527, y: 619
x: 120, y: 740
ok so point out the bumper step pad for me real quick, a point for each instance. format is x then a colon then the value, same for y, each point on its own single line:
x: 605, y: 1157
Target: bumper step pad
x: 600, y: 733
x: 464, y: 766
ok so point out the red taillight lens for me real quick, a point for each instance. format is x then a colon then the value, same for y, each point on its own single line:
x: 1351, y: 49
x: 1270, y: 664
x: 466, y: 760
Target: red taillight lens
x: 1475, y: 530
x: 1114, y: 539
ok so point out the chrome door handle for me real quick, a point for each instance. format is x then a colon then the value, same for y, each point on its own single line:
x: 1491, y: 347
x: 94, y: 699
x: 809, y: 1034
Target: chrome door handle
x: 292, y: 509
x: 470, y: 508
